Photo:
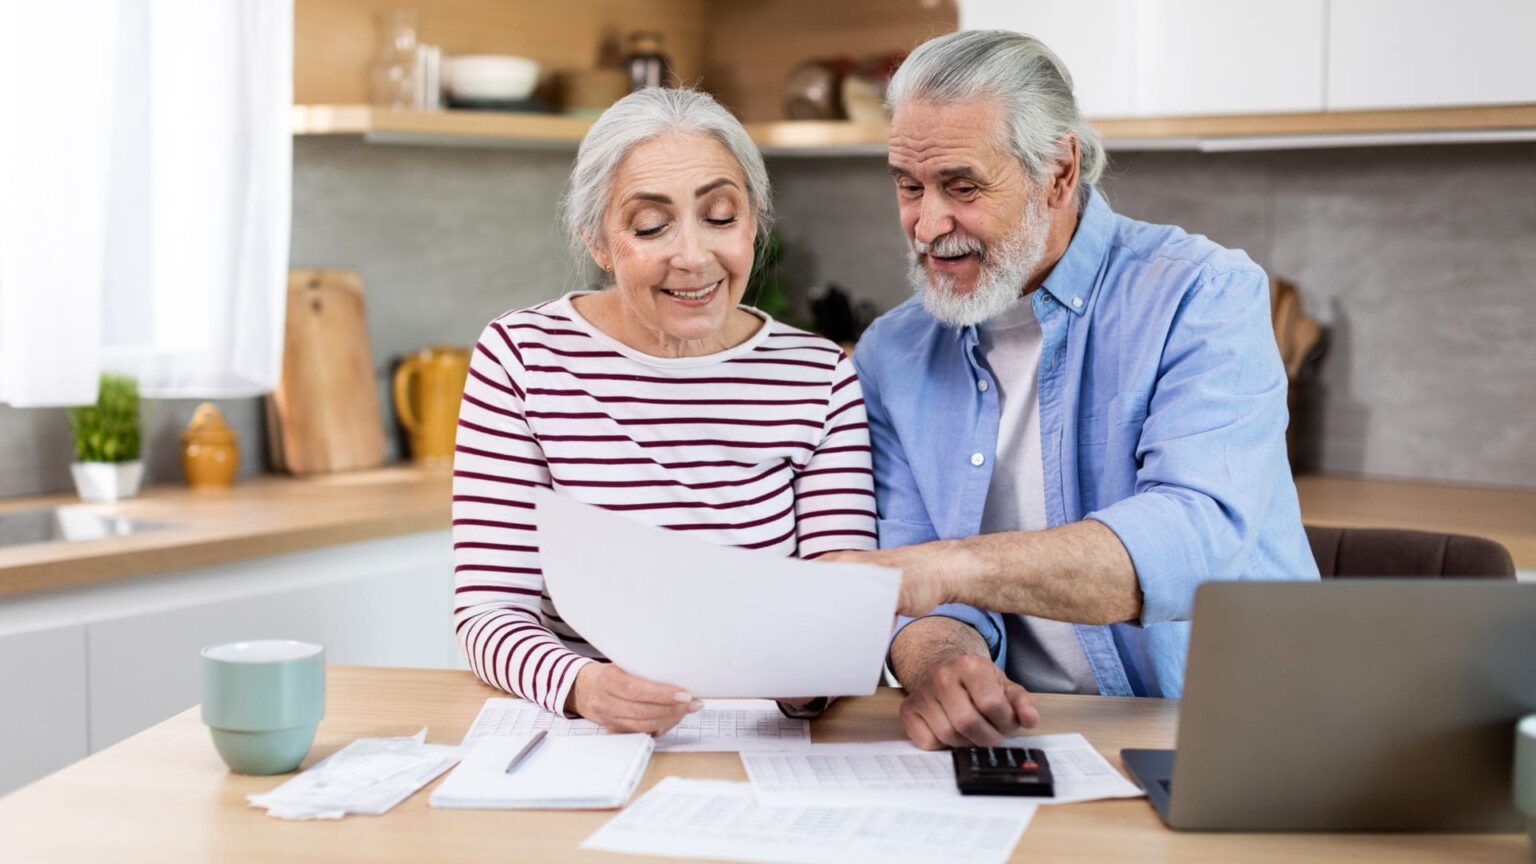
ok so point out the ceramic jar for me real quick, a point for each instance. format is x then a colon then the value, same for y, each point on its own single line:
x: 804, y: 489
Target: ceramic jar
x: 209, y: 453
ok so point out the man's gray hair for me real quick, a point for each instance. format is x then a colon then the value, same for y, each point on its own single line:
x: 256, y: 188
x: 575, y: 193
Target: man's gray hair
x: 636, y: 119
x: 1027, y: 79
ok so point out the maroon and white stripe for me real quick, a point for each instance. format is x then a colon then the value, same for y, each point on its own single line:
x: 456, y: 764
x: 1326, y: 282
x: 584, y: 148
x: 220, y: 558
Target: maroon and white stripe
x: 764, y: 446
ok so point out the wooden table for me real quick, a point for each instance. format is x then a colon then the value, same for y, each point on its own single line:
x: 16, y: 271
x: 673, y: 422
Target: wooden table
x: 164, y: 796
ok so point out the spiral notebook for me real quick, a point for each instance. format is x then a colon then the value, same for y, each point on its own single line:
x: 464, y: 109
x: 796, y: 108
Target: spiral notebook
x: 597, y: 772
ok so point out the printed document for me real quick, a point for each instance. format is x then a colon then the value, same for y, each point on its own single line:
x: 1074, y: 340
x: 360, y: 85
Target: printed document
x: 681, y: 818
x: 898, y: 772
x: 714, y: 620
x: 369, y: 776
x: 723, y: 726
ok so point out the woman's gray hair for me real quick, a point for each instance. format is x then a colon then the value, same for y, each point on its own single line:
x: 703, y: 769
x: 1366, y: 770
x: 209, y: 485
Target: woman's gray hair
x: 636, y: 119
x: 1027, y: 79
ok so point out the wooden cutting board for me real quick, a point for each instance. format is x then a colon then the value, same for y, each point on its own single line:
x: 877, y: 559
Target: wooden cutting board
x: 324, y: 414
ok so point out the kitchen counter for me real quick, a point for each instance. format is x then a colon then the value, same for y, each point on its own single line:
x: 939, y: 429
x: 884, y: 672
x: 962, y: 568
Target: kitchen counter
x: 264, y: 516
x: 274, y: 515
x: 1505, y: 515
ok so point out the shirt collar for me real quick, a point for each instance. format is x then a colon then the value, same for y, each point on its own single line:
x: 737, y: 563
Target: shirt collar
x: 1076, y: 275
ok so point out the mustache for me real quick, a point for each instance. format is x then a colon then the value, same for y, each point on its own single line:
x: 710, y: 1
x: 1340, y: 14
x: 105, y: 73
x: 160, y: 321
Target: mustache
x: 950, y: 245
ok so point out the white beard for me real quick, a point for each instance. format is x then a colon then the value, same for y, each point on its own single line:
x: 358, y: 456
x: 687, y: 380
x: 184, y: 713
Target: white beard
x: 1004, y: 271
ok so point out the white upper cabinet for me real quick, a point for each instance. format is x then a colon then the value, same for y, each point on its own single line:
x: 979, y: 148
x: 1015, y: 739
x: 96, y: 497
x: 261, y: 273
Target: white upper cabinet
x: 1424, y: 53
x: 1228, y: 57
x: 1094, y: 38
x: 1161, y: 58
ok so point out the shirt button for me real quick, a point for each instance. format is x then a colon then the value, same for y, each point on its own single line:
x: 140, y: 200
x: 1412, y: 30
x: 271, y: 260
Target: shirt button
x: 977, y: 459
x: 1077, y: 302
x: 982, y: 385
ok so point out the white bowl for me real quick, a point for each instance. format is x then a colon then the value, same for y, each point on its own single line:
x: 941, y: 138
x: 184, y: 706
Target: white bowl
x: 490, y: 76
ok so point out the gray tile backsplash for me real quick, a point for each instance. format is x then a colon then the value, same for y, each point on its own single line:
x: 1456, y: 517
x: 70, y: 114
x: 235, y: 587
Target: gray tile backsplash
x: 1422, y: 261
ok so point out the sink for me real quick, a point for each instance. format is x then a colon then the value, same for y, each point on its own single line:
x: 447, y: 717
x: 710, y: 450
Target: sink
x: 67, y: 524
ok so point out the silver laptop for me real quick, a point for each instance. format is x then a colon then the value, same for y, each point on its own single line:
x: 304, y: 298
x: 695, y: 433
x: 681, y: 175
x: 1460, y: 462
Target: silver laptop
x: 1349, y: 705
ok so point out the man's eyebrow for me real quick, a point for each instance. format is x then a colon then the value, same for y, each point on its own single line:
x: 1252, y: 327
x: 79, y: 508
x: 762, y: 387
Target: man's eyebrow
x: 965, y: 172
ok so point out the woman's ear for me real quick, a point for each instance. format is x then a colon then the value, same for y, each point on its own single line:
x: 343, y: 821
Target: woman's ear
x: 599, y: 254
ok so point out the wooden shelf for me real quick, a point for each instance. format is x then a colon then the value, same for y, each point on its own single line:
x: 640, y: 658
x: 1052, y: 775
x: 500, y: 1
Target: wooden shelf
x: 813, y: 138
x: 554, y: 131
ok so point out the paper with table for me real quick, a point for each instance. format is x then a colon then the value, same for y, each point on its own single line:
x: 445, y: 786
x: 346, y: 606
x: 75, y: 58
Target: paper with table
x: 896, y: 772
x: 369, y: 777
x: 723, y: 726
x: 714, y: 620
x: 680, y: 818
x: 560, y: 773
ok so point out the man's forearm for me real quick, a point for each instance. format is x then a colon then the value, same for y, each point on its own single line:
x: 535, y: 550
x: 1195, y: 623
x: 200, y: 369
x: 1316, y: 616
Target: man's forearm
x: 1079, y: 573
x: 926, y: 642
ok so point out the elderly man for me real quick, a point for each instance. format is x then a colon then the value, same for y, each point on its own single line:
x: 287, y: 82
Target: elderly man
x: 1078, y: 419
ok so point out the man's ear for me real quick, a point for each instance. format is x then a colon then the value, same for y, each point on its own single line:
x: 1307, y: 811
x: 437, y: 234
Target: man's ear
x: 1064, y: 172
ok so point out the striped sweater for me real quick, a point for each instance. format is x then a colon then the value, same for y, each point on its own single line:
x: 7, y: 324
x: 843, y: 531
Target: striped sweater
x: 762, y: 446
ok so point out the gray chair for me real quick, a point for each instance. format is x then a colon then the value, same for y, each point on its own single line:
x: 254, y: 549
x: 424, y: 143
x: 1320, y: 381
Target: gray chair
x: 1389, y: 552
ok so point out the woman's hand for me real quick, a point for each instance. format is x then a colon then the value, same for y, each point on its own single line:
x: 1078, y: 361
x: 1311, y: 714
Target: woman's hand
x: 621, y: 702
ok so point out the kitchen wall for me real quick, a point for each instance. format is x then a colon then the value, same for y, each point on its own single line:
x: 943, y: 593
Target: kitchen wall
x: 1420, y: 260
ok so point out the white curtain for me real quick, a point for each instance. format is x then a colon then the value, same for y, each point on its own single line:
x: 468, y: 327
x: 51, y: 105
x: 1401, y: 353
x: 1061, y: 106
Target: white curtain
x: 170, y: 263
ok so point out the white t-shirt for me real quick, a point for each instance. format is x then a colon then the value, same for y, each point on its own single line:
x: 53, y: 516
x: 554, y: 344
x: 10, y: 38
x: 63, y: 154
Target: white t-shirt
x: 1043, y: 655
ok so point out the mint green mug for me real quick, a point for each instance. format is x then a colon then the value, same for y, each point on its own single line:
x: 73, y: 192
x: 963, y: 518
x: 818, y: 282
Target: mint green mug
x: 1525, y: 772
x: 262, y: 701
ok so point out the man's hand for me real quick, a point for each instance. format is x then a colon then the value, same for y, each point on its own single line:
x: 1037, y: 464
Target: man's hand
x: 931, y: 573
x: 956, y: 695
x: 622, y: 702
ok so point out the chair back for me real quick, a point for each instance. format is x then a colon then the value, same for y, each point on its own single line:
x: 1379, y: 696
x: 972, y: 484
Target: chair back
x: 1392, y: 552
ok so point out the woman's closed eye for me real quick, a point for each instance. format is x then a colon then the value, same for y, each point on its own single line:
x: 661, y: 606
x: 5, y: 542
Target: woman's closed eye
x: 649, y: 231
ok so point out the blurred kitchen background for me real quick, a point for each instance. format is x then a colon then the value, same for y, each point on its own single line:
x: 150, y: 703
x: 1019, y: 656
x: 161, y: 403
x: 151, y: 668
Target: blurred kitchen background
x: 1414, y: 246
x: 326, y: 200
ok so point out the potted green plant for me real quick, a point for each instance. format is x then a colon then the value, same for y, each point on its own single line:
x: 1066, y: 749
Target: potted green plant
x: 107, y: 465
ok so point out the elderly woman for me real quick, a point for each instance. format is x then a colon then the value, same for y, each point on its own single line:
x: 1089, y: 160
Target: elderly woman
x: 660, y: 396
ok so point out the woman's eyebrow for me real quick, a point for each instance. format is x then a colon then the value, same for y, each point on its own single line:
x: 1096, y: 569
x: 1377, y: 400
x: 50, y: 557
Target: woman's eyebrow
x: 713, y: 185
x: 657, y: 197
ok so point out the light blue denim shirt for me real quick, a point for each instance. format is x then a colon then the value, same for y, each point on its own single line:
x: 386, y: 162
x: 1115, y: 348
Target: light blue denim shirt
x: 1162, y: 415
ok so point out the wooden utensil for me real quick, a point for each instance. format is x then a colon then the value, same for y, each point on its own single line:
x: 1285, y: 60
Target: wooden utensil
x: 324, y: 415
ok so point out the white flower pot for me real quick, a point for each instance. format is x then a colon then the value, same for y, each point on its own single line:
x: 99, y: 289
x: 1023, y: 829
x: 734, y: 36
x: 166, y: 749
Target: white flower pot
x: 107, y: 481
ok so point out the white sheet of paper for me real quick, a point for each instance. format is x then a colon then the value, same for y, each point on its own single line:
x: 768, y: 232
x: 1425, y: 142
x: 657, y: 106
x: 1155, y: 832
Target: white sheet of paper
x: 561, y: 773
x: 714, y: 620
x: 898, y: 772
x: 723, y: 726
x: 681, y: 818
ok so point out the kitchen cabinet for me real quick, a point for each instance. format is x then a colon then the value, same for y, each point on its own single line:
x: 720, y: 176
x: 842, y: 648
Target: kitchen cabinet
x: 1096, y: 40
x: 42, y: 703
x: 1171, y: 58
x: 91, y: 666
x: 1287, y: 73
x: 1236, y: 57
x: 1421, y: 53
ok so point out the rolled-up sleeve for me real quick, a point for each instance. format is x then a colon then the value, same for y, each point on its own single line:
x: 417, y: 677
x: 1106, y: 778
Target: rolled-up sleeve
x: 1210, y: 446
x: 903, y: 520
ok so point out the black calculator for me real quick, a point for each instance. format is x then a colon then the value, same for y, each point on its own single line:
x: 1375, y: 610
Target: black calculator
x: 1003, y: 771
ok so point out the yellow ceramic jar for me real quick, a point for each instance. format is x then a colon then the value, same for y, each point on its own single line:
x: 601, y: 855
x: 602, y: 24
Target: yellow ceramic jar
x: 209, y: 454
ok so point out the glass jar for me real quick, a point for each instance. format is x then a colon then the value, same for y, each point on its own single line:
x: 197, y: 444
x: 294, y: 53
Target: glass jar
x: 392, y: 75
x: 647, y: 62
